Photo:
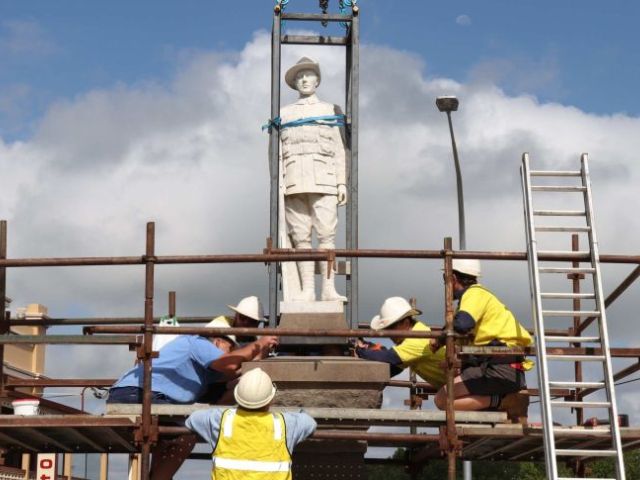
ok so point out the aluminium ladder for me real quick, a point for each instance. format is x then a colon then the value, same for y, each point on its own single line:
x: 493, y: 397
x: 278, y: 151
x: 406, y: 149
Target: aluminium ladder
x: 540, y: 277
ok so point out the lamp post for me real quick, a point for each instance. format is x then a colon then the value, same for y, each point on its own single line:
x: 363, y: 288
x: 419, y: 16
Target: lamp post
x: 449, y: 104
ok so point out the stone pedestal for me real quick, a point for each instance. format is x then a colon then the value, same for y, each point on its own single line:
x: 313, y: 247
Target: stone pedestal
x: 316, y: 315
x: 327, y: 382
x: 330, y: 382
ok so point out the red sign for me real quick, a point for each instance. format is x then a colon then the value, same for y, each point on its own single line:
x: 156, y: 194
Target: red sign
x: 46, y: 466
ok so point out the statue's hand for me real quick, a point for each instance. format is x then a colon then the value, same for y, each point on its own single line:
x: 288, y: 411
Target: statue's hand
x: 342, y: 195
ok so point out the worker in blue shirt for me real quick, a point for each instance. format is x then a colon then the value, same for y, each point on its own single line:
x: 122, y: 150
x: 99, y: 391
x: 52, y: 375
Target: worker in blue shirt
x: 181, y: 373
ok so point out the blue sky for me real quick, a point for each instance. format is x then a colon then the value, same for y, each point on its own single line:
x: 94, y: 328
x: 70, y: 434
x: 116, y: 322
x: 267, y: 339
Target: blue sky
x: 583, y: 54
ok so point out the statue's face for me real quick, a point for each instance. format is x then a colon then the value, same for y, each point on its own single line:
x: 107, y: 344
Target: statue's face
x: 306, y: 82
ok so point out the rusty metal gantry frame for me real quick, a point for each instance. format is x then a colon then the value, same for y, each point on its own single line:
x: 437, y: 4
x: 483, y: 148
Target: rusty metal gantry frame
x: 351, y: 43
x: 140, y: 336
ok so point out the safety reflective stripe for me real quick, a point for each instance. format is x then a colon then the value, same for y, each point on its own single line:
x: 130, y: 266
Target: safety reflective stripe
x: 277, y: 428
x: 228, y: 422
x: 251, y: 465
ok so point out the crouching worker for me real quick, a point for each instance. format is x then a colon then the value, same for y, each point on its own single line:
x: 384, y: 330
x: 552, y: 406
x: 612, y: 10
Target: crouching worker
x: 184, y: 369
x: 487, y: 382
x: 250, y: 441
x: 187, y: 365
x: 416, y: 353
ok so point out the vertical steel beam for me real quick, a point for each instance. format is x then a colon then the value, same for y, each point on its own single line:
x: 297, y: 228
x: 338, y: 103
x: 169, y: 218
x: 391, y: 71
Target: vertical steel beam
x: 4, y: 320
x: 147, y: 350
x: 172, y: 304
x: 352, y: 112
x: 274, y: 164
x: 578, y: 465
x: 452, y: 436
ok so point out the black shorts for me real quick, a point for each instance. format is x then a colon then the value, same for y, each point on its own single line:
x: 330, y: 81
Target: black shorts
x: 490, y: 379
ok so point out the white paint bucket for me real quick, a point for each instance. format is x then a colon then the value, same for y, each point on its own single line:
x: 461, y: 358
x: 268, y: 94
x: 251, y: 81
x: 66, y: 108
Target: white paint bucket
x: 25, y: 406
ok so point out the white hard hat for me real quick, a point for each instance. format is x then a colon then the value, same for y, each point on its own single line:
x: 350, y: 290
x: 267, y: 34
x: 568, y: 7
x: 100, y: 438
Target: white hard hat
x: 250, y: 307
x: 468, y: 266
x: 254, y: 390
x: 392, y: 311
x: 221, y: 322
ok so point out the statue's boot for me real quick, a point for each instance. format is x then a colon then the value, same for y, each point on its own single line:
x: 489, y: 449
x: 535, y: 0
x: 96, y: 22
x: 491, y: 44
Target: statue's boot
x: 307, y: 279
x: 328, y: 292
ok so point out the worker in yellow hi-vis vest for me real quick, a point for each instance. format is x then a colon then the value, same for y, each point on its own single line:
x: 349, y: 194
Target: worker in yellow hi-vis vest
x: 249, y: 441
x: 486, y: 382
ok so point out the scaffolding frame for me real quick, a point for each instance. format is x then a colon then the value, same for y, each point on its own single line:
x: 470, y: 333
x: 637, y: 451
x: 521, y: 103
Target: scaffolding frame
x: 137, y: 332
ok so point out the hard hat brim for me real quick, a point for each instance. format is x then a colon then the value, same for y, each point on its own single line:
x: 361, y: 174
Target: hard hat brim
x: 379, y: 323
x: 258, y: 319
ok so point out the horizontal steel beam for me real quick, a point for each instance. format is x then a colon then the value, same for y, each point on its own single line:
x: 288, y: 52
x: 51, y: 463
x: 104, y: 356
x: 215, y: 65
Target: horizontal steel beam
x: 102, y: 320
x: 59, y: 382
x: 314, y: 40
x: 284, y: 255
x: 530, y: 351
x: 283, y: 332
x: 316, y: 17
x: 71, y: 339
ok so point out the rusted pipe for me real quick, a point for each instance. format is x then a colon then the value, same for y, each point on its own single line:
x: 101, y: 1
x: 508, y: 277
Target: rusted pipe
x: 284, y: 332
x: 147, y: 351
x: 291, y: 255
x: 335, y: 435
x: 451, y: 361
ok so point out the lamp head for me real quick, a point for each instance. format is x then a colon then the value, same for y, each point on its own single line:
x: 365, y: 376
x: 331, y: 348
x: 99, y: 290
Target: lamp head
x: 447, y: 103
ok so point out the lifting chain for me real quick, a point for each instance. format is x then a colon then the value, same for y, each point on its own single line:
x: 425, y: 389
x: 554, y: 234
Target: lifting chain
x: 324, y: 6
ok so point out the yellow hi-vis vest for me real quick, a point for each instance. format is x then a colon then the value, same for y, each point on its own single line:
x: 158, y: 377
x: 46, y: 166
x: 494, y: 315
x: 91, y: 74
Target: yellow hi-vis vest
x: 494, y: 321
x: 251, y: 446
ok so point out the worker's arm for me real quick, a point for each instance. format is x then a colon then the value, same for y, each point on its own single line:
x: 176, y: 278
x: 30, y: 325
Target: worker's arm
x: 463, y: 322
x: 229, y: 363
x: 206, y: 423
x: 382, y: 354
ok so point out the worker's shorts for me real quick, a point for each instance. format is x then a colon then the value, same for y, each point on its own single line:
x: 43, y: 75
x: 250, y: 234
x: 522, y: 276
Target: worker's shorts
x: 490, y: 379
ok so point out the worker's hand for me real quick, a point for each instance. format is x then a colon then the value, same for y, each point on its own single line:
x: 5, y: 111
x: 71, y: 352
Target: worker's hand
x: 360, y: 343
x: 266, y: 344
x: 436, y: 343
x: 342, y: 195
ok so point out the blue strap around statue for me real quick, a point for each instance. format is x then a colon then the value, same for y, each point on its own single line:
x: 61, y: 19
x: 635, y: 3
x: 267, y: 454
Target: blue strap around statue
x: 326, y: 120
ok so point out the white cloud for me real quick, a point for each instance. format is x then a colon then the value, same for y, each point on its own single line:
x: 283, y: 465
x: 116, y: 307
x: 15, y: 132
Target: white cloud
x: 463, y: 20
x: 24, y: 37
x: 191, y: 157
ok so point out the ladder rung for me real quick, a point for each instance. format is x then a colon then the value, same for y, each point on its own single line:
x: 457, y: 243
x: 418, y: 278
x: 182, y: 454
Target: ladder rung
x: 553, y: 338
x: 571, y: 313
x: 569, y: 296
x: 569, y: 404
x: 576, y: 384
x: 549, y: 228
x: 555, y: 173
x: 569, y: 452
x: 600, y: 430
x: 559, y: 213
x: 577, y: 358
x: 557, y: 188
x: 566, y: 270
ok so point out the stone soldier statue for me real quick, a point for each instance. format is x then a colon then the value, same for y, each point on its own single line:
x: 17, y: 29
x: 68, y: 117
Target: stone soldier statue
x: 313, y: 169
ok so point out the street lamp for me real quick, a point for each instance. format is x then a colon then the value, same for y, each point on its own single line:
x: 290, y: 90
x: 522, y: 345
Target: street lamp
x: 449, y: 104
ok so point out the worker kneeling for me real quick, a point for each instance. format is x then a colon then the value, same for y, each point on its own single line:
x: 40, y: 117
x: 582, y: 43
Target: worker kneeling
x: 486, y: 382
x: 249, y: 441
x: 416, y: 353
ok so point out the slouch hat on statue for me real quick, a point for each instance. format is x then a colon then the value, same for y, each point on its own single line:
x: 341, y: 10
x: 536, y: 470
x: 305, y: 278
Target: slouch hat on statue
x: 305, y: 63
